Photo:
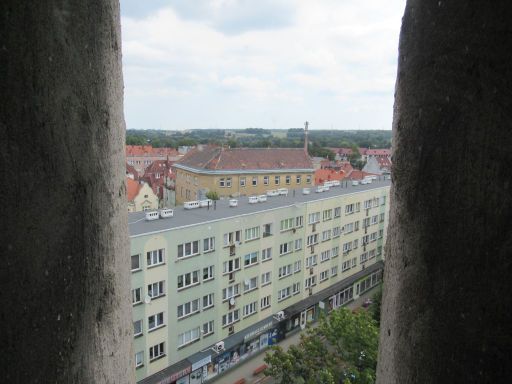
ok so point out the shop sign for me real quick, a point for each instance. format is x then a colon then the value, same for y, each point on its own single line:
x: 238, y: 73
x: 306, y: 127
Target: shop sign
x: 257, y: 331
x: 200, y: 363
x: 176, y: 376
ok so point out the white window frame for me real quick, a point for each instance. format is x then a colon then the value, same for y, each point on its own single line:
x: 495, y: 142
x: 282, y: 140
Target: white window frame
x: 209, y: 244
x: 184, y: 254
x: 231, y: 266
x: 265, y: 302
x: 284, y: 271
x: 159, y: 321
x: 188, y: 337
x: 266, y: 278
x: 141, y: 329
x: 209, y: 272
x: 252, y: 233
x: 157, y: 289
x: 266, y: 254
x: 155, y: 257
x: 188, y: 309
x: 208, y: 301
x: 208, y: 328
x: 285, y: 248
x: 136, y: 296
x: 253, y: 284
x: 139, y: 267
x: 250, y: 309
x: 314, y: 218
x: 230, y: 291
x: 157, y: 351
x: 194, y: 279
x: 139, y: 359
x: 230, y: 318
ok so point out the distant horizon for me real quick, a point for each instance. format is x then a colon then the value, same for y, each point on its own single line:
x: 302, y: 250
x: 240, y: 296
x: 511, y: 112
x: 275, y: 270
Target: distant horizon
x: 241, y: 129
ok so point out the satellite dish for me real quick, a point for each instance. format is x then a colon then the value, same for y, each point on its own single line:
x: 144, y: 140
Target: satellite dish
x: 147, y: 299
x: 232, y: 301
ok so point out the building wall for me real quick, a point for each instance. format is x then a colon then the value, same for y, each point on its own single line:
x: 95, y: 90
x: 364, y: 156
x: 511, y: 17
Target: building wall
x: 145, y: 200
x: 188, y: 184
x: 174, y: 266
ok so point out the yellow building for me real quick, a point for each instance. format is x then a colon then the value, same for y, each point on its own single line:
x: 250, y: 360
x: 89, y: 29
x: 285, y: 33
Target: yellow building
x: 140, y: 196
x: 233, y: 172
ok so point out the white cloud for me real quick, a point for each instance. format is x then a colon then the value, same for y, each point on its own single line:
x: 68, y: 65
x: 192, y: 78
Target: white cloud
x: 333, y: 60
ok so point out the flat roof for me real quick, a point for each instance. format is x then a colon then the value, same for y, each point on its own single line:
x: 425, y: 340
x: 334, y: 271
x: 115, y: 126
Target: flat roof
x: 138, y: 225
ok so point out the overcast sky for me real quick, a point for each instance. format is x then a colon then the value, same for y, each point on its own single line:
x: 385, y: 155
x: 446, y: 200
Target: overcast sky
x: 260, y: 63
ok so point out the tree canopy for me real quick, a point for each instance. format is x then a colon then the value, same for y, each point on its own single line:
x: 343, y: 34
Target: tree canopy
x: 342, y: 348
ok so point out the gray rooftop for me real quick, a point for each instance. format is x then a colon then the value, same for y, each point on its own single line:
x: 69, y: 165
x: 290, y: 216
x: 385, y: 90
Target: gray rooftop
x: 187, y: 217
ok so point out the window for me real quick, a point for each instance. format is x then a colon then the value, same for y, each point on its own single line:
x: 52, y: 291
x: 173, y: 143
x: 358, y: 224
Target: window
x: 327, y: 215
x: 367, y: 204
x: 137, y: 328
x: 354, y: 262
x: 324, y: 275
x: 139, y: 359
x: 265, y: 302
x: 337, y: 212
x: 381, y: 218
x: 250, y: 284
x: 325, y: 255
x: 312, y: 239
x: 299, y: 221
x: 381, y: 233
x: 277, y: 180
x: 326, y: 235
x: 250, y: 309
x: 283, y: 294
x: 358, y: 207
x: 285, y: 271
x: 298, y: 179
x: 336, y: 232
x: 155, y: 321
x: 364, y: 257
x: 266, y: 254
x: 156, y: 351
x: 335, y: 252
x: 375, y: 219
x: 254, y: 181
x: 311, y: 261
x: 379, y: 251
x: 250, y: 259
x: 242, y: 181
x: 135, y: 263
x: 288, y: 180
x: 188, y: 249
x: 347, y: 247
x: 295, y: 288
x: 308, y: 179
x: 228, y: 182
x: 266, y: 278
x: 155, y: 257
x: 373, y: 236
x: 298, y: 244
x: 287, y: 224
x: 231, y: 265
x: 230, y: 317
x: 314, y: 218
x: 188, y: 309
x: 207, y: 301
x: 285, y: 248
x: 296, y: 266
x: 334, y: 271
x: 349, y: 209
x: 348, y: 228
x: 346, y: 265
x: 156, y: 289
x: 310, y: 282
x: 231, y: 291
x: 356, y: 225
x: 208, y: 273
x: 188, y: 337
x: 267, y: 230
x: 252, y: 233
x: 265, y: 180
x: 209, y: 244
x: 136, y: 296
x: 188, y: 279
x: 375, y: 202
x: 208, y: 328
x: 231, y: 237
x: 222, y: 183
x: 383, y: 200
x: 355, y: 244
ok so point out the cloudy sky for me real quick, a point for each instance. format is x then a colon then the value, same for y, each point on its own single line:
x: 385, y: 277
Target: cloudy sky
x: 260, y: 63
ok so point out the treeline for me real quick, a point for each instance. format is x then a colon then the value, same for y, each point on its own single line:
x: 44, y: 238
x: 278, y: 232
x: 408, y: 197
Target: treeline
x: 262, y: 138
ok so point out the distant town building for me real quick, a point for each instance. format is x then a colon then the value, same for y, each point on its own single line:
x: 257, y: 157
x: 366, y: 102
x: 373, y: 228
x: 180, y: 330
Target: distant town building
x: 141, y: 156
x: 161, y: 179
x: 378, y: 164
x: 131, y: 172
x: 140, y: 196
x: 323, y: 175
x: 240, y: 171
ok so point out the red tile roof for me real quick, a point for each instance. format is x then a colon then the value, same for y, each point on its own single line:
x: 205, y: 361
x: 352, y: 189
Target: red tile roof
x: 131, y: 170
x: 132, y: 189
x: 217, y: 158
x: 322, y: 175
x: 359, y: 175
x: 378, y: 152
x: 148, y: 150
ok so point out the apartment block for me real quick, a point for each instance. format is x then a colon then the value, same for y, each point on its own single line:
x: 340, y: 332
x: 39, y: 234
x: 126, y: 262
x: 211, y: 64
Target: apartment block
x: 212, y: 286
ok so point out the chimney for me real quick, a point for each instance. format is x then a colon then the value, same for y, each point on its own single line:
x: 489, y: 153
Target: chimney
x: 306, y: 124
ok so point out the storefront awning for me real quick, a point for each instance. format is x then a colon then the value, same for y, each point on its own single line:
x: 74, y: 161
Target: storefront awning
x: 332, y: 290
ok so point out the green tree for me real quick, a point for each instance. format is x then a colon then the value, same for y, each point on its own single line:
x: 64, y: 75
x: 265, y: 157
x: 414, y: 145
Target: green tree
x: 212, y: 195
x: 343, y: 348
x: 376, y: 304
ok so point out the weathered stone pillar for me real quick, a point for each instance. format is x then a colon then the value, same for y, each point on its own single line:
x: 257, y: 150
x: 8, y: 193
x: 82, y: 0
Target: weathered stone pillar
x: 447, y: 308
x: 65, y: 307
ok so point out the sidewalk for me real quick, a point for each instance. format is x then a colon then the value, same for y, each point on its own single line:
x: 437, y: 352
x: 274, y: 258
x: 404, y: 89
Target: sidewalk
x: 244, y: 370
